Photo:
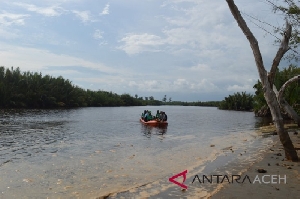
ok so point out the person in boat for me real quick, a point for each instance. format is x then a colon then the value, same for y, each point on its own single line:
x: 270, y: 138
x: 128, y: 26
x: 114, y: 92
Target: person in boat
x: 149, y: 117
x: 143, y: 114
x: 146, y: 116
x: 157, y: 116
x: 164, y: 117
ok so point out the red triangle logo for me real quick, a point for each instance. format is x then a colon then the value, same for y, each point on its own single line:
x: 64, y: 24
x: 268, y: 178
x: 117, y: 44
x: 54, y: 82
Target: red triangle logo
x: 172, y: 179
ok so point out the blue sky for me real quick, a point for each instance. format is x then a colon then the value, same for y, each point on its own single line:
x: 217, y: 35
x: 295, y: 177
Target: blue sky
x: 189, y: 50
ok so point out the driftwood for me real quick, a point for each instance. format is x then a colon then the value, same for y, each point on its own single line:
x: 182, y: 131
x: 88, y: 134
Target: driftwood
x: 269, y: 94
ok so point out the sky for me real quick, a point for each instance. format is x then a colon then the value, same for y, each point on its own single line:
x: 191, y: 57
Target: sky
x: 188, y: 50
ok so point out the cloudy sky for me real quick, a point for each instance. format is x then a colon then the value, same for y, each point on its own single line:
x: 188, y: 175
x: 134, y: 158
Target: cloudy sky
x: 189, y: 50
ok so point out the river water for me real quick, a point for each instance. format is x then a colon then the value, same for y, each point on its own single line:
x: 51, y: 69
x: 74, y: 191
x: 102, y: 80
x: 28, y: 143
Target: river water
x: 91, y: 152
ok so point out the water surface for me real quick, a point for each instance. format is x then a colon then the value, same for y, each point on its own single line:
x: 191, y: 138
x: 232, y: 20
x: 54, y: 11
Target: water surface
x: 90, y: 152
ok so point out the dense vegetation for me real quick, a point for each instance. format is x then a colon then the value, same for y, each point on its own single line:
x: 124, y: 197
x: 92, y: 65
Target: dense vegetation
x: 291, y: 94
x: 238, y: 102
x: 33, y: 90
x: 246, y: 102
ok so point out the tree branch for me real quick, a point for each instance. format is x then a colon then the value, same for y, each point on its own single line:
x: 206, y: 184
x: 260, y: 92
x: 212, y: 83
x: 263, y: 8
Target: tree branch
x: 253, y: 42
x: 295, y: 78
x: 283, y: 103
x: 284, y: 47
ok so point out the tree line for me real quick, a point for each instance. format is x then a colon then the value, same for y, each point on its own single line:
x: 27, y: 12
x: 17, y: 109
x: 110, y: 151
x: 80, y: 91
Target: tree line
x: 34, y: 90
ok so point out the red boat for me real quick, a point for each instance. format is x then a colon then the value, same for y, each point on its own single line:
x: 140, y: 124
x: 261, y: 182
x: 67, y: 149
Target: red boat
x: 154, y: 123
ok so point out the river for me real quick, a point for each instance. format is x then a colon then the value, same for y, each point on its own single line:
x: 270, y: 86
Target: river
x: 90, y: 152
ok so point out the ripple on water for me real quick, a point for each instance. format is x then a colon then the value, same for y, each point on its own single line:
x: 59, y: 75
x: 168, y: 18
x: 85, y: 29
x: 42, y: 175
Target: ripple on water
x: 90, y: 151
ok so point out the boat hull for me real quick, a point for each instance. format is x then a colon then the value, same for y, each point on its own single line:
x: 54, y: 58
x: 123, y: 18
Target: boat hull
x: 154, y: 123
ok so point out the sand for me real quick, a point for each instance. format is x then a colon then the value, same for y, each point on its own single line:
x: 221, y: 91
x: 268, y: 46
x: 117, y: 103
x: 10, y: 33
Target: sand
x: 275, y: 165
x: 269, y: 156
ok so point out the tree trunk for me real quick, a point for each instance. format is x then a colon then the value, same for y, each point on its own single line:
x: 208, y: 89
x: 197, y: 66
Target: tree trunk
x: 269, y: 94
x: 283, y: 103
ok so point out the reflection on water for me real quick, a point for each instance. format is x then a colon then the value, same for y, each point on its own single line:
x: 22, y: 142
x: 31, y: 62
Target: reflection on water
x: 89, y: 152
x: 148, y: 131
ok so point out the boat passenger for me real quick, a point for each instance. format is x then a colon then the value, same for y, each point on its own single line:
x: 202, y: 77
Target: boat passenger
x: 160, y: 115
x: 164, y: 116
x: 149, y: 116
x: 146, y: 116
x: 157, y: 116
x: 143, y: 114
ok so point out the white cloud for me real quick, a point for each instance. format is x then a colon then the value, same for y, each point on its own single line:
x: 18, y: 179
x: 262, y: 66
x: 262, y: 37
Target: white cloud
x: 36, y: 59
x: 200, y: 68
x: 84, y: 16
x: 50, y: 11
x: 65, y: 72
x: 181, y: 82
x: 105, y: 10
x: 196, y: 28
x: 171, y: 2
x: 137, y: 43
x: 98, y: 34
x: 150, y: 85
x: 203, y: 85
x: 8, y: 19
x: 238, y: 88
x: 180, y: 85
x: 103, y: 43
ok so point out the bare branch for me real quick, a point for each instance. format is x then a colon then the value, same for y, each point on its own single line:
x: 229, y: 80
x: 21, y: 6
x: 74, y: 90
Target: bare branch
x: 253, y: 42
x: 281, y: 91
x: 284, y: 47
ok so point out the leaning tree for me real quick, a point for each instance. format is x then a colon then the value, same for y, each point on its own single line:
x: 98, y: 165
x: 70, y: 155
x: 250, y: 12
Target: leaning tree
x: 291, y: 12
x: 267, y: 79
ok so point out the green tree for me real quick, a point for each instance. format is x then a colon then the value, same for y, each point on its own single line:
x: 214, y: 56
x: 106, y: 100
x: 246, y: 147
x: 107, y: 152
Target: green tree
x: 291, y: 94
x: 33, y: 90
x: 238, y: 101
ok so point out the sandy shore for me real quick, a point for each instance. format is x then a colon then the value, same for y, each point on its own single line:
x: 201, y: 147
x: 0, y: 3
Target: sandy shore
x: 267, y: 154
x: 277, y: 167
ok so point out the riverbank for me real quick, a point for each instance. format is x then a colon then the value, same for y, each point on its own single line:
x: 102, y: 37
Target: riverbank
x: 273, y: 163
